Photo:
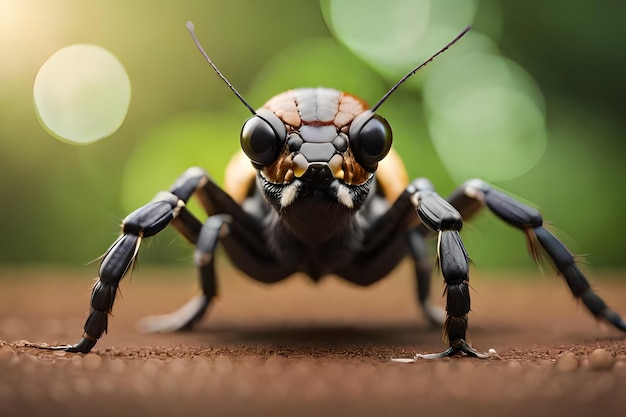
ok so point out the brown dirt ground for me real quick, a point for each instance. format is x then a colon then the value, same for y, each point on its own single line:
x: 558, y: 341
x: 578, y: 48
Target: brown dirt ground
x: 296, y: 348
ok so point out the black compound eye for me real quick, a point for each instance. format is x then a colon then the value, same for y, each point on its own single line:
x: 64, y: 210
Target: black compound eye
x: 371, y: 142
x: 259, y: 141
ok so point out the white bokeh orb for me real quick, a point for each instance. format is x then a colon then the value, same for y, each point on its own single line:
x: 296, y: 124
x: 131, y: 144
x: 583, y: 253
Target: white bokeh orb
x: 82, y: 94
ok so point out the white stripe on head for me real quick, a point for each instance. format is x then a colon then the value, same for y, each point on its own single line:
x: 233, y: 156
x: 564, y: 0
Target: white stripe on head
x: 343, y: 194
x: 289, y: 194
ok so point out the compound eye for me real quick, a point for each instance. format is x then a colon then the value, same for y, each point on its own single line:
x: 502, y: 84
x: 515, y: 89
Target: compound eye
x: 372, y: 142
x: 259, y: 141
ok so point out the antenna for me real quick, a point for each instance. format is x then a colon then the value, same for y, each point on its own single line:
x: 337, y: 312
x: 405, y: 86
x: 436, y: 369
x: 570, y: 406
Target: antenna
x: 191, y: 30
x: 414, y: 70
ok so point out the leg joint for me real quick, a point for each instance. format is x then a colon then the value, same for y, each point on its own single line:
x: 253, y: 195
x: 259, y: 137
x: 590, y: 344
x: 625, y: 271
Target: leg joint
x: 189, y: 182
x: 153, y: 217
x: 435, y: 212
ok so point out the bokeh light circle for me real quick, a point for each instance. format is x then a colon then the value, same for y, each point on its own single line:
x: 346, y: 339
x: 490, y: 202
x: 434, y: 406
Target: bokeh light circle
x: 82, y: 94
x: 480, y: 134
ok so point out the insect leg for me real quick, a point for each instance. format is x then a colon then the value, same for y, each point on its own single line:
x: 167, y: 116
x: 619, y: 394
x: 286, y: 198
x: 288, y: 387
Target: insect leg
x: 476, y: 193
x: 165, y: 208
x: 191, y: 312
x: 441, y: 217
x: 418, y: 249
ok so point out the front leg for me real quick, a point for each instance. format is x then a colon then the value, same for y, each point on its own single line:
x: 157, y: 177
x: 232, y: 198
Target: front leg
x: 474, y: 194
x: 439, y: 216
x: 168, y: 207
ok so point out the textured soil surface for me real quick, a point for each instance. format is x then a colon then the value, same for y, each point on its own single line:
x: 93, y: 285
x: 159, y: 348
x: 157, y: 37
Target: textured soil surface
x: 303, y: 349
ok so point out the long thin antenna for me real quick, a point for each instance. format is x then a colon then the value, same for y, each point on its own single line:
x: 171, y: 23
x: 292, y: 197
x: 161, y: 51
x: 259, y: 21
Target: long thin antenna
x: 191, y: 30
x: 414, y: 70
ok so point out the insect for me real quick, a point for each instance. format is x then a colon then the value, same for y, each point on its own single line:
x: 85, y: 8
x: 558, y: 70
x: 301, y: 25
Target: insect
x: 318, y: 189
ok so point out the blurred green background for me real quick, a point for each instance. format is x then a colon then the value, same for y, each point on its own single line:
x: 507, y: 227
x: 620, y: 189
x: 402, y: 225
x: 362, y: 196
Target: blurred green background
x: 62, y: 204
